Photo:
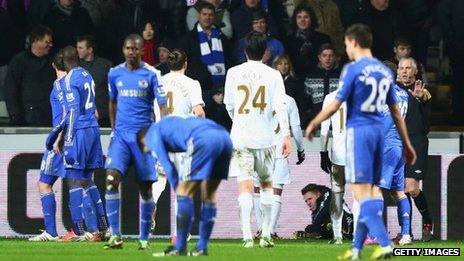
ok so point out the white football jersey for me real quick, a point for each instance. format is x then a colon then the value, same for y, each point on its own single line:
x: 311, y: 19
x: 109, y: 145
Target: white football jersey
x: 294, y: 122
x: 338, y: 122
x: 252, y: 92
x: 182, y: 94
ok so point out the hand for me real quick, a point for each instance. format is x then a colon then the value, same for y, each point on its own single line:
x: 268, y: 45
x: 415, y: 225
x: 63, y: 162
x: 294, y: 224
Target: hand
x: 301, y: 157
x: 286, y: 147
x: 418, y: 91
x: 309, y: 131
x: 266, y: 56
x: 51, y: 138
x: 58, y: 145
x: 326, y: 164
x: 68, y: 155
x: 410, y: 154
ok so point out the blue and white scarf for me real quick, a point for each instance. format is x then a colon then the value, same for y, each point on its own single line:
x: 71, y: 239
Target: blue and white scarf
x: 212, y: 57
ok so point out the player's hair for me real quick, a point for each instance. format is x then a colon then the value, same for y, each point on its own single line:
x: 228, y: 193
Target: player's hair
x: 312, y: 15
x: 324, y: 47
x: 255, y: 45
x: 39, y: 32
x: 284, y: 58
x: 89, y: 41
x: 361, y: 33
x: 203, y: 4
x: 260, y: 14
x: 133, y: 37
x: 58, y: 62
x: 402, y: 41
x: 70, y: 57
x: 314, y: 187
x: 413, y: 62
x: 176, y: 60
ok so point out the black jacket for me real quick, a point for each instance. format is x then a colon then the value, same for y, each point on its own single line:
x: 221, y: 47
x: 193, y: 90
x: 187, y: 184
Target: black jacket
x: 241, y: 22
x: 418, y: 114
x: 5, y: 42
x: 28, y: 85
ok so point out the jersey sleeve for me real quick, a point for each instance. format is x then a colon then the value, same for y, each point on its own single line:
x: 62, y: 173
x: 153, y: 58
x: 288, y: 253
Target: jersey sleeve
x: 280, y: 106
x: 158, y: 89
x: 325, y: 125
x: 72, y: 104
x: 196, y: 97
x: 112, y: 90
x: 295, y: 127
x: 346, y: 83
x: 391, y: 97
x: 229, y: 93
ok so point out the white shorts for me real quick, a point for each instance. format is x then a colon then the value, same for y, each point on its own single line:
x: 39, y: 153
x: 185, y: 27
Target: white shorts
x: 281, y: 172
x: 245, y: 162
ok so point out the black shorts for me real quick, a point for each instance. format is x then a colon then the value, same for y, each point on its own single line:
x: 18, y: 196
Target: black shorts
x: 419, y: 169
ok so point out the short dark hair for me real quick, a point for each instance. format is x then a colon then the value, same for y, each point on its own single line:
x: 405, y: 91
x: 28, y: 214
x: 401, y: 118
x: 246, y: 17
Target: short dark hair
x: 402, y: 41
x: 176, y: 59
x: 309, y: 187
x: 312, y: 15
x: 39, y: 32
x: 255, y: 45
x: 58, y: 62
x: 203, y: 4
x: 133, y: 37
x: 89, y: 41
x: 324, y: 47
x: 70, y: 57
x: 361, y: 33
x: 260, y: 14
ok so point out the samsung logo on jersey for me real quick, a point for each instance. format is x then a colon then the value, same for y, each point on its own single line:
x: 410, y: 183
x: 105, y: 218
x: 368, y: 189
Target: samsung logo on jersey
x: 377, y: 68
x: 133, y: 93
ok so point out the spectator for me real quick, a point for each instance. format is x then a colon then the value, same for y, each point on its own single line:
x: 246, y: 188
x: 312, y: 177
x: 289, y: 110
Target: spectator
x: 37, y: 11
x: 17, y: 34
x: 68, y: 20
x: 303, y: 44
x: 29, y: 81
x: 149, y: 46
x: 329, y: 23
x: 242, y: 17
x: 348, y: 11
x: 402, y: 49
x: 221, y: 18
x: 163, y: 54
x: 452, y: 27
x: 293, y: 87
x: 216, y: 110
x: 319, y: 82
x: 171, y: 17
x: 99, y: 10
x: 384, y: 22
x: 317, y: 198
x: 207, y: 50
x: 274, y: 46
x: 5, y: 44
x: 98, y: 67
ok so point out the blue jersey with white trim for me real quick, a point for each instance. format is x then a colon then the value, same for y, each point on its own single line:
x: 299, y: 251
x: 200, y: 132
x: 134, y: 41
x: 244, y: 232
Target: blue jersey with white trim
x: 365, y: 86
x: 392, y: 137
x: 57, y: 101
x: 134, y: 91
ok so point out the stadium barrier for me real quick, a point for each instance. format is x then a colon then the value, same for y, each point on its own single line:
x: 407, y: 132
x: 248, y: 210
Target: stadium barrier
x: 20, y: 210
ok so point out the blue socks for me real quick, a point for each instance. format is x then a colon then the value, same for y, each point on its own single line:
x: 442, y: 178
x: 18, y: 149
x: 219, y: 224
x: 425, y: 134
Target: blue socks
x: 112, y: 210
x: 184, y: 221
x: 360, y: 235
x: 404, y: 215
x: 75, y: 206
x: 94, y: 194
x: 146, y: 211
x: 49, y: 212
x: 371, y: 215
x: 208, y: 214
x: 89, y: 214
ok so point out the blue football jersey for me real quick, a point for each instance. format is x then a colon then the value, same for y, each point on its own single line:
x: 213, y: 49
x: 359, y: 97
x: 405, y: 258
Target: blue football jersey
x: 57, y: 101
x: 365, y: 86
x: 392, y: 137
x: 134, y: 92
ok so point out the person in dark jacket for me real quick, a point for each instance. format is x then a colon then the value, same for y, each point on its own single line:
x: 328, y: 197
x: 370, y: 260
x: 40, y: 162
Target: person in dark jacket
x: 319, y: 82
x: 5, y: 44
x: 303, y: 45
x: 68, y: 20
x: 293, y: 87
x: 29, y: 81
x: 317, y: 198
x: 98, y: 67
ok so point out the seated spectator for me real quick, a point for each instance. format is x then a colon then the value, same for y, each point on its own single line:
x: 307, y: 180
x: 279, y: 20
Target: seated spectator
x: 402, y: 49
x: 293, y: 87
x: 303, y: 45
x: 319, y: 82
x: 98, y: 67
x: 221, y: 18
x: 216, y: 110
x: 29, y: 81
x: 317, y: 198
x: 149, y: 47
x: 68, y: 20
x: 163, y: 54
x: 207, y: 50
x: 274, y: 46
x: 241, y: 19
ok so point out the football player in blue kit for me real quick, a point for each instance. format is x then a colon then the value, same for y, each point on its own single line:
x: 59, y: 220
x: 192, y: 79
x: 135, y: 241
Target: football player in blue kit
x: 133, y: 86
x: 366, y: 86
x: 208, y: 149
x: 82, y: 150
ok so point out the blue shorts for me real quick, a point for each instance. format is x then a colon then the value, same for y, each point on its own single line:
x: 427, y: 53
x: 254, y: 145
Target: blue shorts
x: 393, y: 169
x: 87, y: 149
x: 51, y: 167
x: 364, y: 154
x: 207, y: 157
x: 125, y: 150
x: 79, y: 174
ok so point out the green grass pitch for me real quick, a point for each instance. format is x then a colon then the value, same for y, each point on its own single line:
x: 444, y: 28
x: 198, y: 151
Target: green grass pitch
x: 21, y: 249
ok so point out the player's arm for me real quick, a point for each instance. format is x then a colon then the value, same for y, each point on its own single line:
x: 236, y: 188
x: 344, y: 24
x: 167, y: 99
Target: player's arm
x: 199, y: 111
x: 326, y: 164
x: 322, y: 116
x: 280, y: 108
x: 295, y: 128
x: 196, y: 100
x: 112, y: 104
x: 409, y: 152
x: 160, y: 95
x: 112, y: 108
x: 228, y: 95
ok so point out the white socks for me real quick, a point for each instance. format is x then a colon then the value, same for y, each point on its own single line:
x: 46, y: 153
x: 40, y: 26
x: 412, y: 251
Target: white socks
x: 336, y: 213
x: 158, y: 187
x: 266, y: 207
x: 257, y: 209
x: 276, y: 207
x: 245, y: 201
x: 355, y: 209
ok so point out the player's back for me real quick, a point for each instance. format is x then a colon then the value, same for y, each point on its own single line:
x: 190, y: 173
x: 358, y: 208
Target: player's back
x: 57, y: 101
x: 392, y: 137
x: 80, y: 96
x: 182, y: 93
x: 365, y: 85
x: 134, y: 92
x: 251, y: 90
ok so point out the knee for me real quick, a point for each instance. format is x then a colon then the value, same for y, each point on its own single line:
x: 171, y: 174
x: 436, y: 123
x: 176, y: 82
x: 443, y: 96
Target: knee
x: 44, y: 188
x: 145, y: 190
x: 112, y: 180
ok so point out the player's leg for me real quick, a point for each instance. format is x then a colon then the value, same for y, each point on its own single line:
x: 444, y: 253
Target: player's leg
x: 93, y: 194
x: 157, y: 189
x: 90, y: 217
x: 257, y: 207
x: 185, y: 213
x: 280, y: 178
x: 337, y: 179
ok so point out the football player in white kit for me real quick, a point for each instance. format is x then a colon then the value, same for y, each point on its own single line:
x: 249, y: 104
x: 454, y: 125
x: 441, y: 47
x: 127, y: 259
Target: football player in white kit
x: 184, y: 98
x: 253, y: 91
x: 335, y: 166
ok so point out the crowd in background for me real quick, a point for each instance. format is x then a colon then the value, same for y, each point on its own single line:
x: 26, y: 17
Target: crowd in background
x: 305, y: 43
